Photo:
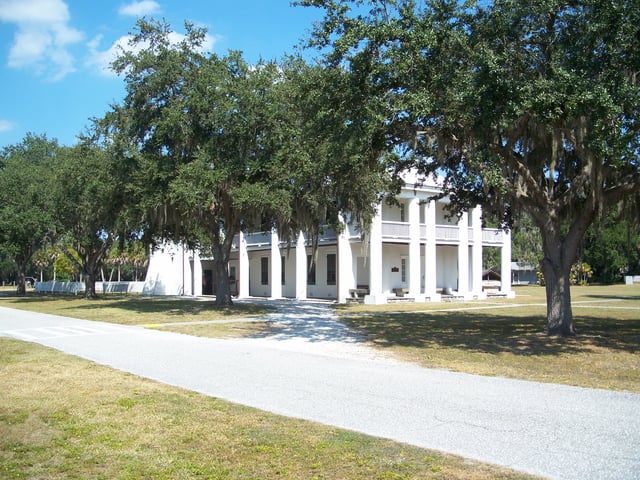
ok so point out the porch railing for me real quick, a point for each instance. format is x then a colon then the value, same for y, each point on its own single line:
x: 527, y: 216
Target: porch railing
x: 395, y: 231
x: 399, y: 230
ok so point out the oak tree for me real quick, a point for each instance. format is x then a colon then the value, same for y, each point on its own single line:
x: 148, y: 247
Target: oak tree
x: 27, y: 218
x: 522, y: 106
x: 90, y: 206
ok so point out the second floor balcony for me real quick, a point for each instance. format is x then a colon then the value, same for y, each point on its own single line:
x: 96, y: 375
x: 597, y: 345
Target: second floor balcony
x: 395, y: 232
x: 445, y: 234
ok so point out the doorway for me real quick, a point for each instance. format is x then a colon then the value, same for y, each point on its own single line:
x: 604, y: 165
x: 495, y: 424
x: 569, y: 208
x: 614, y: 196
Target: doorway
x: 207, y: 282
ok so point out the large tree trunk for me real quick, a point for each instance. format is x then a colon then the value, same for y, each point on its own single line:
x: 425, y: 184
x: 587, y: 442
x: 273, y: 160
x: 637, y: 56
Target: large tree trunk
x: 223, y: 290
x: 21, y: 262
x: 221, y: 250
x: 557, y: 284
x: 90, y: 272
x: 90, y: 286
x: 221, y: 243
x: 559, y: 254
x: 21, y: 289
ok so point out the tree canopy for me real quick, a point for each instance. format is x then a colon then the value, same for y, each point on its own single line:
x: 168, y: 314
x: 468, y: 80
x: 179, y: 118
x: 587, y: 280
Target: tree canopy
x: 523, y: 107
x: 27, y: 217
x: 90, y: 206
x: 221, y: 145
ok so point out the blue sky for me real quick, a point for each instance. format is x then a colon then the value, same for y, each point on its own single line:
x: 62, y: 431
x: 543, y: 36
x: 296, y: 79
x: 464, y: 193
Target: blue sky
x: 54, y: 53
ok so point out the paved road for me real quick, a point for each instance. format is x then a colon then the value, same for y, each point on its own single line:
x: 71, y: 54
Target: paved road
x: 321, y: 373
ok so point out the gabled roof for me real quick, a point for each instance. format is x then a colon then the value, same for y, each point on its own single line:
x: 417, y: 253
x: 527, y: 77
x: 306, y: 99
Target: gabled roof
x: 413, y: 179
x: 523, y: 267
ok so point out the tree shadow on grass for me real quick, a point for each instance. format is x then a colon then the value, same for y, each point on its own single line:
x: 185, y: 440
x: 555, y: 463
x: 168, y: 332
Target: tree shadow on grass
x: 614, y: 297
x: 148, y: 305
x: 490, y: 333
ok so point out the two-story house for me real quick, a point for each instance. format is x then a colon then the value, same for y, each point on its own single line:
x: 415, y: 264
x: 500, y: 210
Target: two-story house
x: 413, y: 250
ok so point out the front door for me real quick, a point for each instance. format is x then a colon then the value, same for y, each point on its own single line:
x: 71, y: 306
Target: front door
x: 207, y: 282
x: 363, y: 272
x: 404, y: 272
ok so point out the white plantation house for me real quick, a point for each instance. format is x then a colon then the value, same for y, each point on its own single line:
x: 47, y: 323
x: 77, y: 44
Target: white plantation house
x: 412, y: 251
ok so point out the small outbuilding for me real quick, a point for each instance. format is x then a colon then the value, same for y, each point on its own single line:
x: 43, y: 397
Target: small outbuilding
x: 523, y: 274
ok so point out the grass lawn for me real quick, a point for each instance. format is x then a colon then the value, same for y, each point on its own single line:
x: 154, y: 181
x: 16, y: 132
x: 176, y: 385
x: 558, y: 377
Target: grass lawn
x: 63, y: 417
x: 147, y: 311
x: 499, y: 337
x: 504, y: 337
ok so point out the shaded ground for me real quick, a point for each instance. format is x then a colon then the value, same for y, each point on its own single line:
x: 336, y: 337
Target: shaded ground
x: 507, y: 339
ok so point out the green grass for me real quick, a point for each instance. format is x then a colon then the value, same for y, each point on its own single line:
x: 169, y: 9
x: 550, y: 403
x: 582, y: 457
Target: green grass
x: 134, y: 309
x: 66, y: 418
x: 504, y: 337
x: 498, y: 337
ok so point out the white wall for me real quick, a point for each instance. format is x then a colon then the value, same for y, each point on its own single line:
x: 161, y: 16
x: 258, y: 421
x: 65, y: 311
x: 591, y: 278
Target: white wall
x: 168, y: 265
x: 441, y: 214
x: 256, y: 289
x: 447, y: 267
x: 392, y: 213
x: 320, y: 290
x: 289, y: 288
x: 79, y: 287
x: 392, y: 255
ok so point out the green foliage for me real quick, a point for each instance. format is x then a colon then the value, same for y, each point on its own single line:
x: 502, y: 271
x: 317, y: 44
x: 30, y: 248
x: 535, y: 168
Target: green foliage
x: 26, y: 212
x: 521, y: 107
x: 130, y: 259
x: 526, y: 241
x: 612, y: 244
x: 64, y: 270
x: 581, y: 273
x: 90, y: 206
x: 220, y: 145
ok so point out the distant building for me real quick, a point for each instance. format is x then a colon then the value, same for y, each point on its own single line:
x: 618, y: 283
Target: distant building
x: 523, y: 274
x: 411, y: 251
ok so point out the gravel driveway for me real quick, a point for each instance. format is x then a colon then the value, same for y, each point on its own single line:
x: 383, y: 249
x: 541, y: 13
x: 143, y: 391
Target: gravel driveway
x: 315, y: 368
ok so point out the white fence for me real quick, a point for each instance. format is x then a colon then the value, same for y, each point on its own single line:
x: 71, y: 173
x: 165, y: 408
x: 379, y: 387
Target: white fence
x: 75, y: 288
x: 631, y: 279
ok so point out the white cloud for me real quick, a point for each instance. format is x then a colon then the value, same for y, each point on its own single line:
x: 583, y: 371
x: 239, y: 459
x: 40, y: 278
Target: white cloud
x: 43, y: 36
x: 100, y: 60
x: 140, y: 9
x: 6, y: 126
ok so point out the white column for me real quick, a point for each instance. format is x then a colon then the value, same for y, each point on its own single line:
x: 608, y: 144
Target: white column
x: 463, y: 254
x: 344, y: 258
x: 301, y: 268
x: 186, y: 270
x: 375, y: 260
x: 505, y: 265
x: 476, y: 253
x: 276, y: 266
x: 197, y: 274
x: 243, y: 267
x: 414, y: 250
x: 430, y: 258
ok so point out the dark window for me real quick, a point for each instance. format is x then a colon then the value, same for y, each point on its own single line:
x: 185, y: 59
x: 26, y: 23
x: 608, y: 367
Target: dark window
x: 282, y: 275
x: 311, y: 271
x: 264, y: 270
x: 403, y: 270
x: 331, y: 269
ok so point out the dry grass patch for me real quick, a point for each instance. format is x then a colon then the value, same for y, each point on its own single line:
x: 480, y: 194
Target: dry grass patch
x: 62, y: 417
x: 240, y: 328
x: 133, y: 309
x: 499, y: 337
x: 505, y: 338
